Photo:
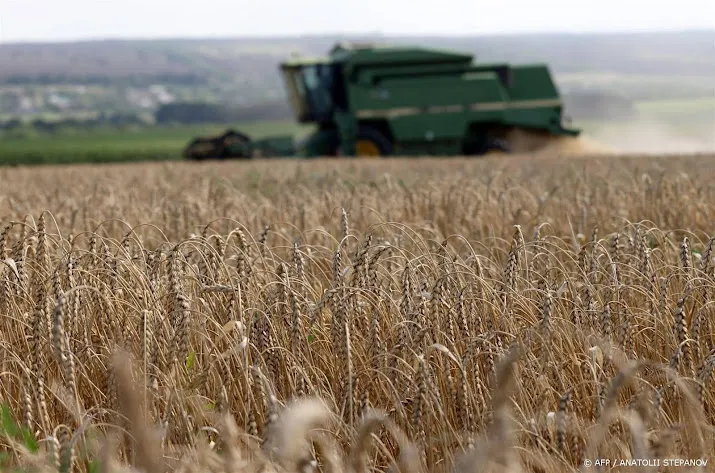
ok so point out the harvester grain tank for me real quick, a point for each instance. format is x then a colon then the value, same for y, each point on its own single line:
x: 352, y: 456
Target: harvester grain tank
x: 374, y: 100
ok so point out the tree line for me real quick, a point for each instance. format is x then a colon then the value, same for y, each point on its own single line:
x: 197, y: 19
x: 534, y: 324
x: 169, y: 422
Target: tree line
x: 202, y: 113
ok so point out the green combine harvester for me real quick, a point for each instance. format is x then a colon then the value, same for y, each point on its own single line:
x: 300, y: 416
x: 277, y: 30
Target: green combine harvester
x: 373, y: 101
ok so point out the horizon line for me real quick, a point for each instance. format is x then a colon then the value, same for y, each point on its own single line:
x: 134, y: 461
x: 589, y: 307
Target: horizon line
x: 279, y: 37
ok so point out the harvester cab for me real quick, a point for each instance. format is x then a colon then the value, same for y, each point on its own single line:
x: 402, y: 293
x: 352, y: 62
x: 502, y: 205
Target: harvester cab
x: 311, y: 89
x: 316, y: 88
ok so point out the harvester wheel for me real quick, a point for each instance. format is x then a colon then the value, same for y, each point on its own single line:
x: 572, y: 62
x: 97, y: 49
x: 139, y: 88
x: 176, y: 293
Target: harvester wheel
x: 371, y: 143
x: 366, y: 149
x: 497, y: 146
x: 487, y: 145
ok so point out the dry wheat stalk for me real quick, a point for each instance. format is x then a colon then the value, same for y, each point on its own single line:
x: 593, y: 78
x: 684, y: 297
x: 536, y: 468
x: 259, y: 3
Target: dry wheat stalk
x: 413, y: 308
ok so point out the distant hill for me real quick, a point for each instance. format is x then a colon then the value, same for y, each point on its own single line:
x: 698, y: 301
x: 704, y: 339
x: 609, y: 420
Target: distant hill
x: 207, y: 60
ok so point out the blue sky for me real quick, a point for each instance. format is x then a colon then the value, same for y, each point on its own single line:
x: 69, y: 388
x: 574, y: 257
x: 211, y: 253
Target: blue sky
x: 50, y: 20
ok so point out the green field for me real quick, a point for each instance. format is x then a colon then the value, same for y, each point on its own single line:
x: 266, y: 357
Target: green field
x: 149, y: 144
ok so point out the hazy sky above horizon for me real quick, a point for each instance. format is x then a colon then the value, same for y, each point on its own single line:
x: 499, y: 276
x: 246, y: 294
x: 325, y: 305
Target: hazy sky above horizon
x: 52, y: 20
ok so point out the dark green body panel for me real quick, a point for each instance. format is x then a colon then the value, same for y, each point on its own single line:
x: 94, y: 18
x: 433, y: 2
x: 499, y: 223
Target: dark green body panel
x: 427, y: 101
x: 274, y: 146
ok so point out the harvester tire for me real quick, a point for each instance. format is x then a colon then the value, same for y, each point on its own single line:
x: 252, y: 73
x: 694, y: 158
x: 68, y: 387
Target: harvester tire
x: 488, y: 145
x: 496, y: 144
x: 370, y: 143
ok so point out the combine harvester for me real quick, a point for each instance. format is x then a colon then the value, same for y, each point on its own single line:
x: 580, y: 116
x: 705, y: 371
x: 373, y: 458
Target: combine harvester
x: 373, y: 101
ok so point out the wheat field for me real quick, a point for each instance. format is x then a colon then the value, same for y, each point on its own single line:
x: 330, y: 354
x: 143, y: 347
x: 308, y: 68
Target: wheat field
x: 432, y: 315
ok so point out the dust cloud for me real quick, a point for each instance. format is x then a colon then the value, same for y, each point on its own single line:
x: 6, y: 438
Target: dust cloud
x: 653, y: 137
x: 641, y: 137
x: 523, y: 141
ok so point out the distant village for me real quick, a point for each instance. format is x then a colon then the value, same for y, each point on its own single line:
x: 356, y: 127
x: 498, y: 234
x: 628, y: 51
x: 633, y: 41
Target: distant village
x: 66, y: 99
